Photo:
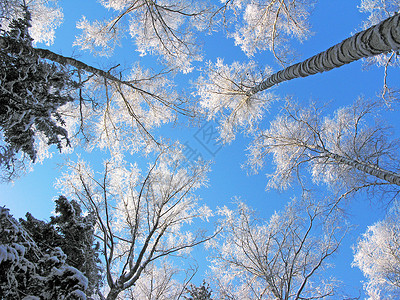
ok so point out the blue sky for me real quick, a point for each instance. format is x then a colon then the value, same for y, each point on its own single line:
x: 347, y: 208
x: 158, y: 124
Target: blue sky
x: 332, y: 21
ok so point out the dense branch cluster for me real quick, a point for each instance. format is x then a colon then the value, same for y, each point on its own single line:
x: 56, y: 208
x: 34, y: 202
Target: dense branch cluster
x: 279, y: 259
x: 165, y: 28
x: 223, y: 92
x: 341, y: 151
x: 377, y: 254
x: 141, y: 218
x: 269, y: 25
x: 141, y: 223
x: 31, y: 91
x: 34, y: 269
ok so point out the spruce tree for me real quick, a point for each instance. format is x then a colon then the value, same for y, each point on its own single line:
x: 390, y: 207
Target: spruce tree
x: 31, y: 91
x: 202, y: 292
x: 31, y: 272
x: 73, y: 233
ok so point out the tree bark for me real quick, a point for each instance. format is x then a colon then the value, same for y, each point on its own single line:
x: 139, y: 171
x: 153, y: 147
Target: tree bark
x: 370, y: 169
x: 113, y: 294
x: 63, y: 60
x: 381, y: 38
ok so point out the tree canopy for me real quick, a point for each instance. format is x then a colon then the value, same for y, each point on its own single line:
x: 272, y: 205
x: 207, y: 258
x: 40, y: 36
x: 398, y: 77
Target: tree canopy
x: 121, y: 101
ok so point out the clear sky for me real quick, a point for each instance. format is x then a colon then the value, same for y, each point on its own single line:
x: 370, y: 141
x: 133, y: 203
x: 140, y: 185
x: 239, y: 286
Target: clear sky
x: 332, y: 21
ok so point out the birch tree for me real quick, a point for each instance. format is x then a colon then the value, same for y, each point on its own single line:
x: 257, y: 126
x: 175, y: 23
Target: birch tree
x: 377, y: 39
x: 147, y: 97
x: 377, y: 255
x: 267, y: 25
x: 283, y: 258
x: 165, y: 28
x: 141, y: 218
x: 378, y: 11
x: 347, y: 150
x: 381, y: 38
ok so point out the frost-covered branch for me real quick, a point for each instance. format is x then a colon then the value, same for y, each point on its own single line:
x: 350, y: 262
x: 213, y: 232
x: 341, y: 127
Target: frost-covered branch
x: 343, y: 150
x: 268, y: 25
x: 222, y: 91
x: 280, y: 259
x: 143, y: 219
x: 162, y: 27
x: 377, y: 254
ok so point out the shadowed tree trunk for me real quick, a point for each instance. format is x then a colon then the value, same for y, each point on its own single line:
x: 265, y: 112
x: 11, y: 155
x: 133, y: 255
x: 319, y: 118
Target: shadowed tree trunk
x: 381, y: 38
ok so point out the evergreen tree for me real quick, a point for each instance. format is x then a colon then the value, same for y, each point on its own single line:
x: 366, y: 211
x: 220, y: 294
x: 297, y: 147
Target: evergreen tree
x: 30, y: 272
x: 78, y: 240
x: 202, y: 292
x: 73, y: 233
x: 31, y: 91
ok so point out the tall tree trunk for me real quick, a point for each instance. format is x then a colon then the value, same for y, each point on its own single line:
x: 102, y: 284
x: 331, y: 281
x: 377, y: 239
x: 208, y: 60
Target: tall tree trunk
x: 63, y: 60
x: 68, y: 61
x: 113, y: 294
x: 381, y: 38
x: 370, y: 169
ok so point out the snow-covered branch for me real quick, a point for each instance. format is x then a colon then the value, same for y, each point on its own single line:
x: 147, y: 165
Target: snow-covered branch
x: 142, y: 219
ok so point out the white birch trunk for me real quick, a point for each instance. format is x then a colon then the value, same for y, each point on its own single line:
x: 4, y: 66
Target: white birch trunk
x: 381, y: 38
x: 370, y: 169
